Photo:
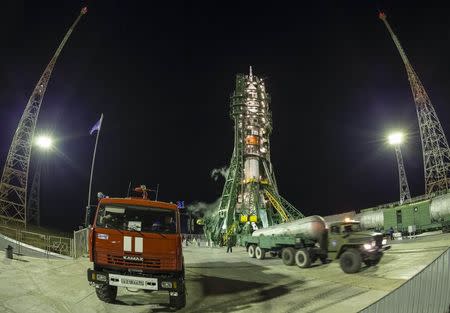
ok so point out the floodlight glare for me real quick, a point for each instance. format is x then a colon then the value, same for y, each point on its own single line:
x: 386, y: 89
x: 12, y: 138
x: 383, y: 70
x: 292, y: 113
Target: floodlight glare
x: 44, y: 142
x: 395, y: 138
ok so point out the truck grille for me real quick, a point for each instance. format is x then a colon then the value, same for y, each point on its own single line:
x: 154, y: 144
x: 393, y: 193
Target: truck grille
x: 147, y: 263
x: 379, y: 240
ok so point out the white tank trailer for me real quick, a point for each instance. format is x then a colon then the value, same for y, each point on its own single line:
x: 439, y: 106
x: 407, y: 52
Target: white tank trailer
x: 306, y: 240
x: 312, y: 227
x: 371, y: 219
x: 440, y: 207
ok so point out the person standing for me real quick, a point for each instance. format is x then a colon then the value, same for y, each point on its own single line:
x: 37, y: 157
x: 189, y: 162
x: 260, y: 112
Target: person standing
x: 230, y: 243
x: 391, y: 233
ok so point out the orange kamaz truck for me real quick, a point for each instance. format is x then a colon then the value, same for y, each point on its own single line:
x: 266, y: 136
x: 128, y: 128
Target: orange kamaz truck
x: 135, y: 243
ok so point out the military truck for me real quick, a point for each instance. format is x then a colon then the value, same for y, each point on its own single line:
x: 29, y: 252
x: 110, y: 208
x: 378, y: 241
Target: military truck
x: 445, y: 226
x: 307, y: 240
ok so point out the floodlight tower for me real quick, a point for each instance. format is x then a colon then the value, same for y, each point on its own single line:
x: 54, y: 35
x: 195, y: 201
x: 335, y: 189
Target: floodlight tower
x: 13, y: 184
x: 435, y: 149
x: 250, y: 194
x: 44, y: 143
x: 396, y: 139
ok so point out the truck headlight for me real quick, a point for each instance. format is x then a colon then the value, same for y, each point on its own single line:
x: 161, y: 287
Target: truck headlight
x: 384, y: 242
x: 367, y: 246
x: 101, y: 277
x: 166, y: 284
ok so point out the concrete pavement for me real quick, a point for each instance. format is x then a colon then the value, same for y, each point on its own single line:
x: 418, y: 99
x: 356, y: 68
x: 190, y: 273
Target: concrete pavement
x: 219, y: 282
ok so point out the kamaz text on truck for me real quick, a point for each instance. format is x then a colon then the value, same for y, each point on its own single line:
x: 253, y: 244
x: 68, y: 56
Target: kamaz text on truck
x: 136, y: 243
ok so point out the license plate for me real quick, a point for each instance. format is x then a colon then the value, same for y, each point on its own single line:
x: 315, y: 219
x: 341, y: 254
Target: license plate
x: 133, y: 282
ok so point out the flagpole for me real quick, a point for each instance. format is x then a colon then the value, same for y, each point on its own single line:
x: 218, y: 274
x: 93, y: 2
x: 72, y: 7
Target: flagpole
x: 92, y: 171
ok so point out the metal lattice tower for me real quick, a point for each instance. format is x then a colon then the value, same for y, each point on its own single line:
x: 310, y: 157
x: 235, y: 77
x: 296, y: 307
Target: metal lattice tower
x: 250, y: 192
x: 435, y: 149
x: 405, y: 195
x: 33, y: 205
x: 13, y: 184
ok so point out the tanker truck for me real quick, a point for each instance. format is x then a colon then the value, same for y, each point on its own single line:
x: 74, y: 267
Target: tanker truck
x: 307, y: 240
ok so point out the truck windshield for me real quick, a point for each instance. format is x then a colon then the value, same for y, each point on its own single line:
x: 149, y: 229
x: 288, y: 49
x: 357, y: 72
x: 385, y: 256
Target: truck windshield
x: 136, y: 218
x: 348, y: 228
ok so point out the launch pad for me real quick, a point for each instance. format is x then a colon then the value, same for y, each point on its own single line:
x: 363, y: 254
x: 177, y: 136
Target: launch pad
x: 220, y: 282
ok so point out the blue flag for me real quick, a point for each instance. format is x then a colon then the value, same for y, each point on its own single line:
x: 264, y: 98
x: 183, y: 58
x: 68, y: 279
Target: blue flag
x: 97, y: 126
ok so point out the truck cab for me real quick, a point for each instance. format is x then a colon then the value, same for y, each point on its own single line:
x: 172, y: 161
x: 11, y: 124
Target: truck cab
x: 352, y: 246
x: 136, y: 243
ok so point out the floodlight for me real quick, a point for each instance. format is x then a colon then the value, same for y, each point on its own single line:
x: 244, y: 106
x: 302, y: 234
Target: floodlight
x: 395, y: 138
x: 44, y: 142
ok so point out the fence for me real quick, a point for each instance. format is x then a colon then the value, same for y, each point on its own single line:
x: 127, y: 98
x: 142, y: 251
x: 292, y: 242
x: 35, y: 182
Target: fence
x: 80, y: 240
x: 198, y: 240
x: 427, y: 292
x: 49, y: 243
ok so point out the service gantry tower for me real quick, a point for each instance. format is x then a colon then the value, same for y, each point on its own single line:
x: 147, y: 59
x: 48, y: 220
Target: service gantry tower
x: 14, y: 181
x: 435, y: 149
x: 250, y: 195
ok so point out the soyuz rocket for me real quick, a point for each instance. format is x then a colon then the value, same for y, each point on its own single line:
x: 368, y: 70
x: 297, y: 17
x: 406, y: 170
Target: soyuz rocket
x: 253, y: 125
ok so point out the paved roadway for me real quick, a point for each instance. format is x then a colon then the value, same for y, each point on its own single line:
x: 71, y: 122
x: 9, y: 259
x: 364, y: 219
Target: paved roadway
x: 219, y: 282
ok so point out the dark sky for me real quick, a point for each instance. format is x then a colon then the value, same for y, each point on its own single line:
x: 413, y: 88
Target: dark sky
x: 162, y: 72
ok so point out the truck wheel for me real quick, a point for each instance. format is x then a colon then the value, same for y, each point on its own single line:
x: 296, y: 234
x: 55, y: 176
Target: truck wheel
x: 260, y: 253
x: 350, y: 261
x: 302, y: 258
x: 251, y: 251
x: 288, y: 256
x: 106, y: 293
x: 372, y: 262
x: 178, y: 302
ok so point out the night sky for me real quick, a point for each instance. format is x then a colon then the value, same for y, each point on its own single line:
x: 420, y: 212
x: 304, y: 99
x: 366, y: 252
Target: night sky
x: 162, y: 73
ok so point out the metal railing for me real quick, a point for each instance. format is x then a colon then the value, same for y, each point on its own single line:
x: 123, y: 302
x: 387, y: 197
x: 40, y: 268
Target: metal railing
x: 48, y: 243
x: 80, y: 243
x: 427, y: 292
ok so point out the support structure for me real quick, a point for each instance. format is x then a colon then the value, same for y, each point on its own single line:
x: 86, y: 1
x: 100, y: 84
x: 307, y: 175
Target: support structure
x: 250, y: 196
x: 33, y: 205
x: 405, y: 195
x: 14, y: 180
x: 435, y: 148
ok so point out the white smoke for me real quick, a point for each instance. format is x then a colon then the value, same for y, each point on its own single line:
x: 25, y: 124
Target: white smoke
x: 217, y: 172
x: 203, y: 208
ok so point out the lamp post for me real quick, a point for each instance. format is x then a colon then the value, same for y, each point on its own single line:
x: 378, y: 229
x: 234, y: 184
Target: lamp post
x: 396, y: 139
